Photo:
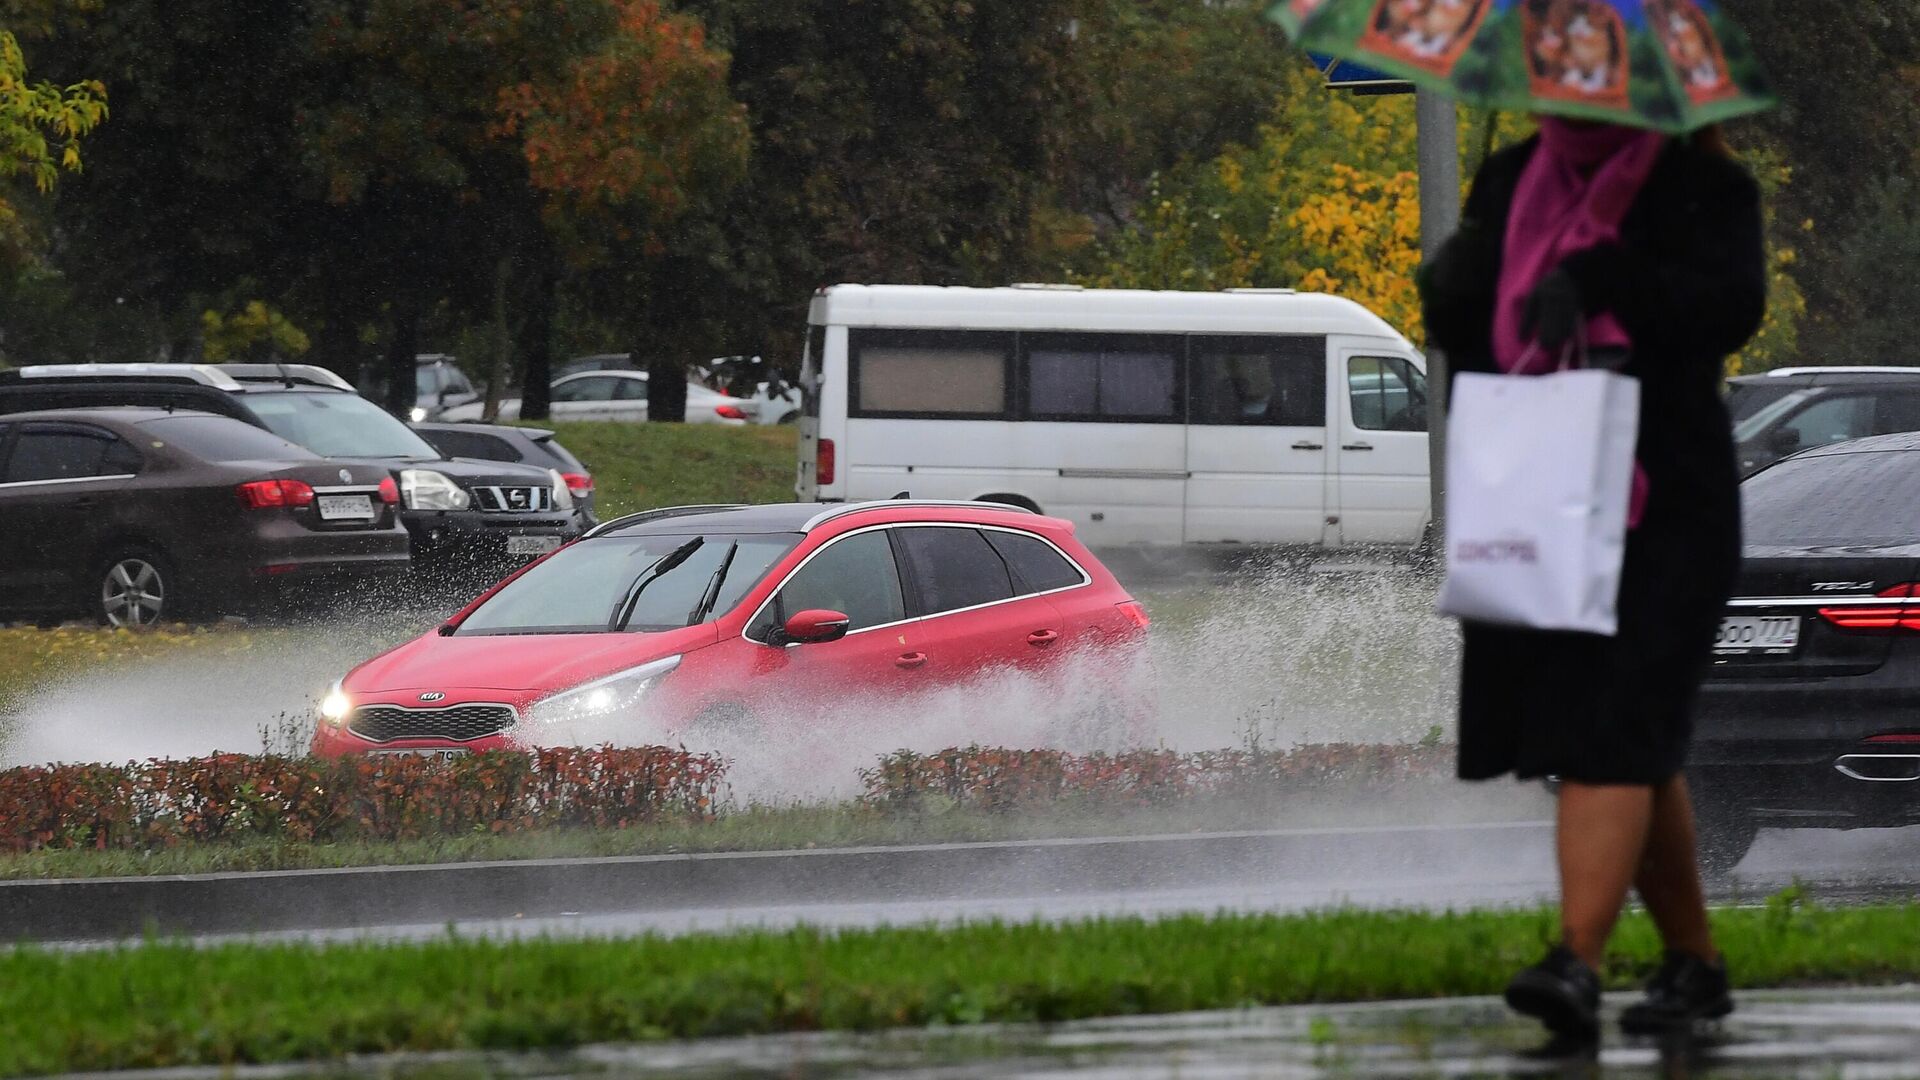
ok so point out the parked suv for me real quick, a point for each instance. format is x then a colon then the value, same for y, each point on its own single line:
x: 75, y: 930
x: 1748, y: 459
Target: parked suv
x: 765, y: 617
x: 471, y: 515
x: 535, y: 446
x: 139, y: 515
x: 1780, y: 414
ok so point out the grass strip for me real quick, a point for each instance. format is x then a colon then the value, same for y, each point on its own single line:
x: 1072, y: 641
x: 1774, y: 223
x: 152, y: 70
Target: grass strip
x: 161, y: 1004
x: 640, y: 466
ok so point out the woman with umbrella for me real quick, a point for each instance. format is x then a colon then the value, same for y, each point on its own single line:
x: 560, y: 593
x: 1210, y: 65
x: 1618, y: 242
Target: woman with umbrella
x: 1624, y: 225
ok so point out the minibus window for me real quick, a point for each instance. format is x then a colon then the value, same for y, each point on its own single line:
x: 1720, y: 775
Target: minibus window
x: 1127, y: 377
x: 1274, y: 381
x: 930, y: 373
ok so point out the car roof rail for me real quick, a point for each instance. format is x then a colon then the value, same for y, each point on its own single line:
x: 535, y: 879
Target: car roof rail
x: 305, y: 374
x: 658, y: 514
x: 844, y: 509
x: 201, y: 374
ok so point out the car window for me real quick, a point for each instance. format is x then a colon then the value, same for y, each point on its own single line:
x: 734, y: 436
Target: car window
x: 953, y: 567
x: 426, y: 382
x: 1828, y: 420
x: 473, y: 444
x: 1274, y: 381
x: 65, y: 454
x: 457, y: 381
x: 568, y: 463
x: 630, y: 390
x: 1102, y: 377
x: 217, y: 438
x: 577, y: 589
x: 1835, y: 499
x: 855, y: 576
x: 1388, y: 394
x: 1898, y: 412
x: 1036, y: 566
x: 337, y: 425
x: 591, y: 388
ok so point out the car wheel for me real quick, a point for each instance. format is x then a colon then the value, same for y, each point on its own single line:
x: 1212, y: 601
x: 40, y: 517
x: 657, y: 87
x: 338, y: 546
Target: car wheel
x: 135, y: 589
x: 1726, y: 832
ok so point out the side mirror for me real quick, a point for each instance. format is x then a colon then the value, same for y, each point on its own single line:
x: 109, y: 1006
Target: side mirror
x: 1783, y: 441
x: 815, y: 626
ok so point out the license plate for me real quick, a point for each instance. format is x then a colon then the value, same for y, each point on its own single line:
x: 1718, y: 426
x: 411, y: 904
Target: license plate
x: 345, y: 507
x: 1771, y: 634
x: 532, y: 545
x: 437, y: 753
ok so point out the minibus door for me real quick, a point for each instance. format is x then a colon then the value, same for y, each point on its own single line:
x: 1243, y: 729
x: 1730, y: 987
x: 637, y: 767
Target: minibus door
x: 1382, y: 449
x: 1258, y: 453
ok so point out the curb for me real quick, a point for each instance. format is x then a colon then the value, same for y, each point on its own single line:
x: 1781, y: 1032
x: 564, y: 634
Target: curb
x: 107, y: 908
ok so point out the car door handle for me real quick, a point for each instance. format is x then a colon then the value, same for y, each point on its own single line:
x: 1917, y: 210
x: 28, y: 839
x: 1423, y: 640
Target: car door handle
x: 1043, y: 638
x: 1307, y: 445
x: 1357, y: 446
x: 910, y: 660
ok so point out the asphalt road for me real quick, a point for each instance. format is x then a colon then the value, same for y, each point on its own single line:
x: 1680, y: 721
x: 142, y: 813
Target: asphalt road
x: 1374, y: 868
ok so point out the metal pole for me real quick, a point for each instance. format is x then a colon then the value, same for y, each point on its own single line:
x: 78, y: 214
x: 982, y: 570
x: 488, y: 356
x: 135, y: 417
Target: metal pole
x: 1439, y: 216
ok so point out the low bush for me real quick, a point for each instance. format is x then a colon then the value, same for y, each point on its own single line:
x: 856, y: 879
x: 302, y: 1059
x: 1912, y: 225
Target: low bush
x: 993, y: 778
x: 232, y: 797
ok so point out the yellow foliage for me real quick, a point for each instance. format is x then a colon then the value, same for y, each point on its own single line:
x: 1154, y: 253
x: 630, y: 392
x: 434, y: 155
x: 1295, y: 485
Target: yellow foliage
x: 255, y: 332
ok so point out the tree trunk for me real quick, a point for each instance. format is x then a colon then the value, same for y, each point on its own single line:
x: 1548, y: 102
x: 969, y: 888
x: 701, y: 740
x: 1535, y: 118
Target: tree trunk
x: 403, y: 345
x: 666, y: 388
x: 536, y: 342
x: 499, y: 363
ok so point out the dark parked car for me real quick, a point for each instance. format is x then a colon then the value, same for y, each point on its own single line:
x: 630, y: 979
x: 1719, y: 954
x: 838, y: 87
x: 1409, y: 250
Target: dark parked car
x: 1811, y: 713
x: 1780, y: 414
x: 532, y: 446
x: 135, y: 515
x: 481, y: 516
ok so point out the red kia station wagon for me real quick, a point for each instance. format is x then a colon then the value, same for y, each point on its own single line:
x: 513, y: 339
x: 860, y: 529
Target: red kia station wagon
x: 650, y: 624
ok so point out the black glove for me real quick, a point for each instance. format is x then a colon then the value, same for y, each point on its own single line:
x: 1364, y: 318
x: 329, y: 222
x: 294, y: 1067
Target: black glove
x: 1554, y: 311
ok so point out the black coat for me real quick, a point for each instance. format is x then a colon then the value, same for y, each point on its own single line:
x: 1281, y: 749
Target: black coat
x: 1688, y: 283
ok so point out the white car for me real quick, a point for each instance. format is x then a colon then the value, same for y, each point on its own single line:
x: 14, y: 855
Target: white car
x: 621, y: 396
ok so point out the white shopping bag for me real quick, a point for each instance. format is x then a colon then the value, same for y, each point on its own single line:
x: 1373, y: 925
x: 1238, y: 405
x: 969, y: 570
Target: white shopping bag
x: 1539, y: 475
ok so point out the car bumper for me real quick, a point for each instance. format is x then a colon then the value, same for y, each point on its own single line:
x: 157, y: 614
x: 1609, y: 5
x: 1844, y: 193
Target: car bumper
x: 1798, y: 749
x: 468, y: 536
x: 333, y: 741
x: 285, y: 562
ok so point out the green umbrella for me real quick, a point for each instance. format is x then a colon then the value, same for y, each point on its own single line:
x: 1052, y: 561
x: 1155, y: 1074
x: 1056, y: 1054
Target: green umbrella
x: 1671, y: 65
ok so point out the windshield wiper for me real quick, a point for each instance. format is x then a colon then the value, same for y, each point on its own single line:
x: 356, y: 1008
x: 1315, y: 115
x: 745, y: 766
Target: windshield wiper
x: 712, y: 595
x: 623, y: 611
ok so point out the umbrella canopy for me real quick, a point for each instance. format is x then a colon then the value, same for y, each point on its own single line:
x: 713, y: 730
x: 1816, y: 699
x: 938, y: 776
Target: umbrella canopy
x: 1670, y: 65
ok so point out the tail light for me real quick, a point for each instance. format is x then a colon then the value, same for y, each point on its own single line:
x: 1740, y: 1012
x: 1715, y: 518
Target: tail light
x: 731, y: 412
x: 578, y: 482
x: 1878, y: 618
x: 1136, y: 613
x: 823, y: 462
x: 273, y: 494
x: 389, y: 491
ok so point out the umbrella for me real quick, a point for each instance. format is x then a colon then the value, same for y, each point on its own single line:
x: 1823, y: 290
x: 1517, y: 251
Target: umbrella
x: 1670, y: 65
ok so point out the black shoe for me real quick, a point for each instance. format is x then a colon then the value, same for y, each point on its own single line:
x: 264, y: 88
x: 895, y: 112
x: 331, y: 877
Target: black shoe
x: 1561, y: 992
x: 1684, y: 991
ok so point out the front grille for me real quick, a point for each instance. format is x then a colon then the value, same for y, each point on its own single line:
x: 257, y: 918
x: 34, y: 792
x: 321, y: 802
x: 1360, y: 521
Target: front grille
x: 513, y: 500
x: 385, y: 723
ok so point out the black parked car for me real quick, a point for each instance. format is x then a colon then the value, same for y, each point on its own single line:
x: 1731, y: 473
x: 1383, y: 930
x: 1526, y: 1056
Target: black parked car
x: 532, y: 446
x: 137, y: 515
x: 1780, y: 414
x: 1811, y: 713
x: 479, y: 516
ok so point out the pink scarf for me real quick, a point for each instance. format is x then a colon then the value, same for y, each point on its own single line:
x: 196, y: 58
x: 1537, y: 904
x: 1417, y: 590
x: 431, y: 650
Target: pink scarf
x: 1575, y: 192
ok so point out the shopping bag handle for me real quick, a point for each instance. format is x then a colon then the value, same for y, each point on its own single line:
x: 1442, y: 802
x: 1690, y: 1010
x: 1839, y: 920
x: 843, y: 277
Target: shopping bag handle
x: 1572, y: 351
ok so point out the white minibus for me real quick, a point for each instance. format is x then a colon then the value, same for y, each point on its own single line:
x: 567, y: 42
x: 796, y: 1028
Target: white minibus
x: 1246, y: 416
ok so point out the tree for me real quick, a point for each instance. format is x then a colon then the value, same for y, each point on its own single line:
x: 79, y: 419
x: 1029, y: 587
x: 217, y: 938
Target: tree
x: 41, y: 125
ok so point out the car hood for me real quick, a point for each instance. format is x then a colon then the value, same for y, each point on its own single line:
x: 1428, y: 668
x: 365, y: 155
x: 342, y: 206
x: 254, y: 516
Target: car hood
x: 531, y: 665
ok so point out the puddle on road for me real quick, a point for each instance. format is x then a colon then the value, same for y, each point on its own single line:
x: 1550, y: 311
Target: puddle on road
x: 1778, y: 1036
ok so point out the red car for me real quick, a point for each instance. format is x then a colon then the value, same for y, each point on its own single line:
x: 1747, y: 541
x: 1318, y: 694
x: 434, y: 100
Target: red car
x: 654, y: 623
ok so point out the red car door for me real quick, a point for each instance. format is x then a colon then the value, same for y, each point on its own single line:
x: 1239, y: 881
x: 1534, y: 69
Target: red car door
x: 876, y: 660
x: 974, y: 618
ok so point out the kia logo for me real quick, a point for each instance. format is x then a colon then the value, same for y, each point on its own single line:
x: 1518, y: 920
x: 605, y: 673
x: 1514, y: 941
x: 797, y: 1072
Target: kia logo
x: 432, y: 695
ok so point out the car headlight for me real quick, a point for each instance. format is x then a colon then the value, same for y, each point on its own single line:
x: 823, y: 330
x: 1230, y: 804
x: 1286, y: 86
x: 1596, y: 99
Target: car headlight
x: 609, y: 696
x: 336, y: 705
x: 562, y: 495
x: 424, y: 489
x: 417, y: 414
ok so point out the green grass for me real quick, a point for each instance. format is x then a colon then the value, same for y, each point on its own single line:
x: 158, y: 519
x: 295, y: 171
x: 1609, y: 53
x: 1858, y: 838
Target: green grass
x: 163, y: 1004
x: 641, y: 466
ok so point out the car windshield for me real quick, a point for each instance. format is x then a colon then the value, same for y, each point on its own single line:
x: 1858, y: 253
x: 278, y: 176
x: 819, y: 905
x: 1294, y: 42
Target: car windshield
x: 1871, y: 497
x: 1746, y: 430
x: 337, y: 425
x: 218, y: 438
x: 589, y: 587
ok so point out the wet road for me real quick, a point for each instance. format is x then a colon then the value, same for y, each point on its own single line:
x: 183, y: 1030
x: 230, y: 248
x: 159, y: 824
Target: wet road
x: 1374, y: 870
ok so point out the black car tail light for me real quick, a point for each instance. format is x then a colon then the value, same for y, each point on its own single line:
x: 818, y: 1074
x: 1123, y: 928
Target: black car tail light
x: 578, y: 482
x: 1879, y: 618
x: 274, y: 494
